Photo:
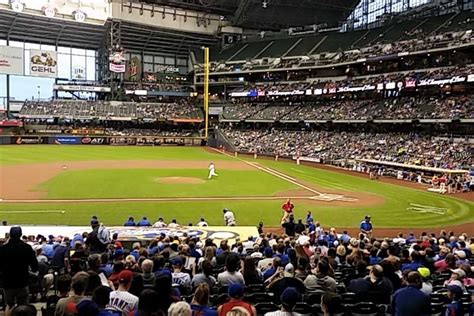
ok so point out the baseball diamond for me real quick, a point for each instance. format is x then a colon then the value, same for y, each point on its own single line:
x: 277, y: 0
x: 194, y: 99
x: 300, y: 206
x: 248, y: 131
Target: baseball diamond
x: 95, y: 183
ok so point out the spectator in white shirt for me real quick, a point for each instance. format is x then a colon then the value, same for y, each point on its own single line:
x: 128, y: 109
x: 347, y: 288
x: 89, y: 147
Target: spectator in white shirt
x: 173, y: 224
x: 160, y: 223
x: 202, y: 223
x: 248, y: 244
x: 231, y: 275
x: 121, y: 300
x: 180, y: 278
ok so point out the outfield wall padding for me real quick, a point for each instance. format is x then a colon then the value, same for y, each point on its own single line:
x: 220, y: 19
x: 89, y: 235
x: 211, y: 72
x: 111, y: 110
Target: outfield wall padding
x: 102, y: 140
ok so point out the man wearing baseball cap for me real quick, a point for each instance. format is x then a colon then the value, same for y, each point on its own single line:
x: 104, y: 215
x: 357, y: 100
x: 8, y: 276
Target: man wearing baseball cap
x: 236, y: 294
x: 426, y: 286
x: 180, y: 278
x: 121, y: 300
x: 288, y: 298
x: 457, y: 276
x: 16, y: 258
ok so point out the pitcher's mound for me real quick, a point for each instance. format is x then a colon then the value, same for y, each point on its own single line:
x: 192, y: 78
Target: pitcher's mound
x: 175, y: 180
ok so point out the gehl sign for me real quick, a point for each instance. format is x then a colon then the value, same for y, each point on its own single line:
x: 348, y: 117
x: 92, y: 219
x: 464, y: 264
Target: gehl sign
x: 43, y: 63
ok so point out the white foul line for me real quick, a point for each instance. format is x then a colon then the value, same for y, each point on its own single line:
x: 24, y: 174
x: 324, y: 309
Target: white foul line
x: 273, y: 173
x: 35, y: 211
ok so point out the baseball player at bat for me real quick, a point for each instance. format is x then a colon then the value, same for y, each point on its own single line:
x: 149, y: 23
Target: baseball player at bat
x: 212, y: 171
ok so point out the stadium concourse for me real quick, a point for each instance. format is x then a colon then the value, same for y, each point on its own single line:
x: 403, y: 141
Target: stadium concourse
x: 379, y: 89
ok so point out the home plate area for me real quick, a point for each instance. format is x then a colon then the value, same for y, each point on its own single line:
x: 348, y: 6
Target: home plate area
x: 332, y: 197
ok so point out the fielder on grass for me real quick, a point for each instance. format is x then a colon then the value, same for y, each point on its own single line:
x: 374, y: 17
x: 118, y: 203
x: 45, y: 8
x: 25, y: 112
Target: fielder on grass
x: 212, y: 171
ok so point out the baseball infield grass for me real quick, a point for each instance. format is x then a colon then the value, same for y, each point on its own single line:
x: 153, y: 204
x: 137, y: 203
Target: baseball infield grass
x: 398, y: 207
x: 145, y: 183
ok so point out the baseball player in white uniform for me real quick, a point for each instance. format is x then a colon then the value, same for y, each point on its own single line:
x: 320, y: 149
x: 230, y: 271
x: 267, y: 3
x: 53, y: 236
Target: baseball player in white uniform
x: 212, y: 171
x: 229, y: 217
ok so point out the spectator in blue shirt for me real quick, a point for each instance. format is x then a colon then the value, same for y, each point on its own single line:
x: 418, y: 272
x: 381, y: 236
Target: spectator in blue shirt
x: 410, y: 300
x: 309, y: 218
x: 416, y: 262
x: 311, y: 227
x: 192, y: 250
x: 144, y: 222
x: 374, y: 259
x: 454, y: 308
x: 366, y: 226
x: 200, y: 302
x: 281, y: 254
x: 136, y: 250
x: 48, y: 249
x: 271, y: 271
x: 130, y: 222
x: 345, y: 238
x: 411, y: 238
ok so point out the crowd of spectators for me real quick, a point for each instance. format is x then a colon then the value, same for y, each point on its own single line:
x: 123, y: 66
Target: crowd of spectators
x: 161, y: 87
x: 305, y: 270
x: 448, y: 107
x: 105, y: 109
x: 332, y: 146
x: 137, y: 132
x: 416, y: 41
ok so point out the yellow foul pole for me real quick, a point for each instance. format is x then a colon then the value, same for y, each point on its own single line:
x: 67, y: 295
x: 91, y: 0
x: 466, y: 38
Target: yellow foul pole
x: 206, y: 91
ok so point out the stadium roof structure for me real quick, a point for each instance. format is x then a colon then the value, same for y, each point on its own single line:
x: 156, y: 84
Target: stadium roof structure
x: 21, y: 27
x: 271, y: 14
x: 151, y: 39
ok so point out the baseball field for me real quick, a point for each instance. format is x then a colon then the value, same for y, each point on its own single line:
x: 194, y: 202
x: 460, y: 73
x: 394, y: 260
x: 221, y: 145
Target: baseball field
x: 66, y: 185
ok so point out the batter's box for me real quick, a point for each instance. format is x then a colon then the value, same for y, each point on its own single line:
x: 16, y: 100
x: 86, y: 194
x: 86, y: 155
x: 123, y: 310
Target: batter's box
x: 332, y: 197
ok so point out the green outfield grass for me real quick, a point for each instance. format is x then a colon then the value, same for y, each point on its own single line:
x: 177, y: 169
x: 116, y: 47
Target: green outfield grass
x: 14, y: 154
x: 141, y: 183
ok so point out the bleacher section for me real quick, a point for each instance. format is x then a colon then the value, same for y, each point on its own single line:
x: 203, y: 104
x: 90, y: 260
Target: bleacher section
x: 336, y: 41
x: 277, y: 49
x: 464, y: 20
x: 114, y: 109
x: 305, y: 45
x: 251, y: 50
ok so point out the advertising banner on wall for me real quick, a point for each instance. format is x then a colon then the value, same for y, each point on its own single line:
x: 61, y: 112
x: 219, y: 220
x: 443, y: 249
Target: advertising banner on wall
x: 11, y: 60
x: 67, y: 140
x: 43, y: 63
x: 134, y: 69
x: 94, y: 141
x: 30, y: 140
x: 122, y: 141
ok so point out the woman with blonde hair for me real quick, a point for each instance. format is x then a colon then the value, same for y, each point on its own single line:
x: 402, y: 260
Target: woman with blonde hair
x: 200, y: 302
x: 341, y: 252
x: 209, y: 255
x: 180, y: 309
